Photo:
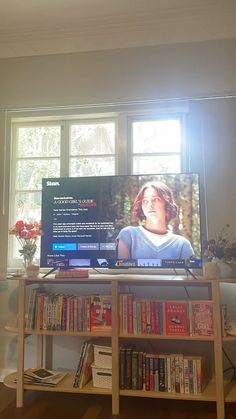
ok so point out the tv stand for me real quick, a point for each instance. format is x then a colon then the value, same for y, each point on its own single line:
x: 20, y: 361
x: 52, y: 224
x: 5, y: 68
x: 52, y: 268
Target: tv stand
x: 216, y: 390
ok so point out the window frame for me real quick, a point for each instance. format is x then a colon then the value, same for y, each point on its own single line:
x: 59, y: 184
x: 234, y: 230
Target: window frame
x: 123, y: 119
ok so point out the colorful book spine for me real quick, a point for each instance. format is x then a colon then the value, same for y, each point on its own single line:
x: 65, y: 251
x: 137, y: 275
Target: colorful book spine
x: 128, y: 368
x: 162, y: 372
x: 140, y: 371
x: 122, y: 367
x: 130, y: 326
x: 134, y: 361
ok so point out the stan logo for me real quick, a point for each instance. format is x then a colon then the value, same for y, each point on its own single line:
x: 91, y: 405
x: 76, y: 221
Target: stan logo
x: 50, y: 183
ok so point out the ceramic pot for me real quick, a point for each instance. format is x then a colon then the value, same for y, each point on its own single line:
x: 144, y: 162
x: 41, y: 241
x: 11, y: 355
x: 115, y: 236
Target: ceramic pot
x: 227, y: 270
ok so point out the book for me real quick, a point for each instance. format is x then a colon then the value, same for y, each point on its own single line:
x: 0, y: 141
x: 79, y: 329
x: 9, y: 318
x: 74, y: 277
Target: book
x: 224, y: 319
x: 122, y: 367
x: 140, y: 371
x: 176, y: 318
x: 43, y: 376
x: 72, y: 273
x: 128, y: 368
x: 80, y: 363
x: 201, y: 318
x: 162, y: 372
x: 86, y: 370
x: 134, y: 361
x: 30, y: 309
x: 100, y: 312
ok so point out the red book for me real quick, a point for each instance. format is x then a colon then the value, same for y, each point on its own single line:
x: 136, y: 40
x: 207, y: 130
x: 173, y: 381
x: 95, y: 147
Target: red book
x: 80, y: 314
x: 130, y: 313
x: 176, y: 318
x: 64, y: 310
x: 143, y: 318
x: 100, y: 312
x: 153, y: 316
x: 40, y: 303
x: 201, y: 318
x: 88, y: 318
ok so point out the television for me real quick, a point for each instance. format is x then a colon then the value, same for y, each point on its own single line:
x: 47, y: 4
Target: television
x: 127, y: 221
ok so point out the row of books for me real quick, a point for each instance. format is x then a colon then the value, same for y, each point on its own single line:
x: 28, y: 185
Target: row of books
x: 71, y: 313
x: 175, y: 317
x: 75, y: 313
x: 172, y: 373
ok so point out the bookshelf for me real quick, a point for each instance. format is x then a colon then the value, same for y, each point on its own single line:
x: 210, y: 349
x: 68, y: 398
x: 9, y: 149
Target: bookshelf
x: 217, y: 390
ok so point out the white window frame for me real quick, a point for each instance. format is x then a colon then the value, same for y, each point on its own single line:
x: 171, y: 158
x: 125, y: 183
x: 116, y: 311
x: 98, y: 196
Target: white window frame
x: 123, y: 118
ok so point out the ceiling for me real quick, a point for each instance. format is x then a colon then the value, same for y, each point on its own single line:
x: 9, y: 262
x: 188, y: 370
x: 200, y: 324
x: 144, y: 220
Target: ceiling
x: 39, y: 27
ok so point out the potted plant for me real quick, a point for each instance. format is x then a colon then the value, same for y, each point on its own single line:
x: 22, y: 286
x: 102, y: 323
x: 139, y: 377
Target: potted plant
x: 222, y: 252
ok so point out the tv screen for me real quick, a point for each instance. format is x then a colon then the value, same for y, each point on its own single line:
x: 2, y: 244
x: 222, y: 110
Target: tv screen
x: 133, y: 221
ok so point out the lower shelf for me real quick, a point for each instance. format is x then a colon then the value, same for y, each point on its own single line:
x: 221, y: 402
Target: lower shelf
x: 230, y: 392
x: 209, y: 394
x: 65, y: 386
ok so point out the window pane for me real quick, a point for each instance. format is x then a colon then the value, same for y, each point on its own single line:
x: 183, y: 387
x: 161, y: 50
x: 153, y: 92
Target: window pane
x: 92, y: 166
x: 38, y: 141
x: 92, y: 139
x: 156, y: 164
x: 156, y: 136
x: 29, y: 173
x: 28, y: 206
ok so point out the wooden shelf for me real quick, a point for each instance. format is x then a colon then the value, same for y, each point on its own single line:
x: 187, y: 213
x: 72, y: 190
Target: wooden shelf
x: 229, y: 339
x: 230, y: 392
x: 14, y: 329
x: 209, y: 394
x: 216, y: 391
x: 65, y: 386
x: 167, y: 337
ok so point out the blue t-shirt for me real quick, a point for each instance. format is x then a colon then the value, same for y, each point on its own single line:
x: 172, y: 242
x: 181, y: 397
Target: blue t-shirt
x: 140, y: 247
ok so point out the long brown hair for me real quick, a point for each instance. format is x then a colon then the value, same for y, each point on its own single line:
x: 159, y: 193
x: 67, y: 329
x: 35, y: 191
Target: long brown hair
x: 163, y: 192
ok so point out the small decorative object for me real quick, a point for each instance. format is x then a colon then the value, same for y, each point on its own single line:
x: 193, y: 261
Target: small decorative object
x: 221, y: 252
x: 231, y: 329
x: 27, y: 234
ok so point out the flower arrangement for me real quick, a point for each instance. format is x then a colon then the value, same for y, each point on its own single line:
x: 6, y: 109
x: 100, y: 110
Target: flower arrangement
x: 27, y: 235
x: 223, y: 247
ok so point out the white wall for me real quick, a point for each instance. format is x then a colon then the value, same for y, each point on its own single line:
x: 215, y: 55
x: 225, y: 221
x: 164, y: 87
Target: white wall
x: 196, y: 70
x: 181, y: 70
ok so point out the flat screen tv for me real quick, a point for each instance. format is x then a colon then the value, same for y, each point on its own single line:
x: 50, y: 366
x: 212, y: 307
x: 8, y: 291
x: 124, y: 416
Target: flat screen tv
x: 133, y: 221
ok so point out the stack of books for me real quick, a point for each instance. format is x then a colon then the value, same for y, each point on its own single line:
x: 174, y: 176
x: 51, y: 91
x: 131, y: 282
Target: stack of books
x: 43, y: 377
x: 84, y: 371
x: 72, y: 273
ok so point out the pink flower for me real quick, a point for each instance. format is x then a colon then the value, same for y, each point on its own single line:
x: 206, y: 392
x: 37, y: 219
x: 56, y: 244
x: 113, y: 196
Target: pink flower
x: 27, y: 235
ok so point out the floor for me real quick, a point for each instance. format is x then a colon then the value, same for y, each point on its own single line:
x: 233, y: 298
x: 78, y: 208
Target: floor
x: 43, y: 405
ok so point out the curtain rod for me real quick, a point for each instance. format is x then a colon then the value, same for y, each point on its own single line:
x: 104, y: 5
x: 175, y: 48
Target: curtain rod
x: 116, y: 104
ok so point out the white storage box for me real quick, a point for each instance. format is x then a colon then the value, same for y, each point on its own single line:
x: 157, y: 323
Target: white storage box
x: 102, y: 356
x: 102, y: 377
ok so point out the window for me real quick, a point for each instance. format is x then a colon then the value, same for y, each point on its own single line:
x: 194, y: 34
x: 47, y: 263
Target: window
x: 86, y: 146
x: 156, y: 146
x: 92, y: 148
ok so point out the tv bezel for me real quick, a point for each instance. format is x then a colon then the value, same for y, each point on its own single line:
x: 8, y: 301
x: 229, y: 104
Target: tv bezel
x: 133, y: 269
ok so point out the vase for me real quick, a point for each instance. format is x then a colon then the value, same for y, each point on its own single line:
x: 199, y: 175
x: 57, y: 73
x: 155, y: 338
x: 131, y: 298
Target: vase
x: 227, y: 270
x: 211, y: 270
x: 31, y: 268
